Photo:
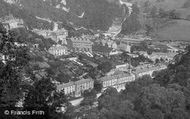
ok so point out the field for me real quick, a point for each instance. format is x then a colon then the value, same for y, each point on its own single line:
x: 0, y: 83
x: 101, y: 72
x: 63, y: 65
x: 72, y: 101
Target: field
x: 184, y: 13
x: 180, y: 30
x: 165, y: 4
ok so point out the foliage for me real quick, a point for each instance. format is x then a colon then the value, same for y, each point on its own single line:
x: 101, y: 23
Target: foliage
x: 18, y: 80
x: 42, y: 95
x: 132, y: 23
x: 98, y: 86
x: 14, y: 60
x: 105, y: 67
x: 111, y: 106
x: 186, y: 4
x: 89, y: 98
x: 167, y: 96
x: 155, y: 97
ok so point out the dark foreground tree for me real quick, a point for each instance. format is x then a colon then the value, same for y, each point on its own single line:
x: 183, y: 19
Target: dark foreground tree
x: 14, y: 59
x: 43, y: 95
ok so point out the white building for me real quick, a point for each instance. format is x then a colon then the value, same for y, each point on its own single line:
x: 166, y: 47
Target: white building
x: 160, y: 55
x: 76, y: 88
x: 147, y: 69
x: 117, y: 80
x: 58, y: 50
x: 10, y: 22
x: 56, y: 35
x: 124, y: 47
x: 81, y: 44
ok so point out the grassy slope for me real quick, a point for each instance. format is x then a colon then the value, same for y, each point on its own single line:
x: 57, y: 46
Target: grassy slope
x: 184, y: 12
x: 178, y: 31
x: 167, y: 4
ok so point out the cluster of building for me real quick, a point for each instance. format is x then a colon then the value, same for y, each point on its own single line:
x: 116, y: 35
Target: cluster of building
x: 10, y: 22
x: 81, y: 44
x: 117, y: 78
x: 56, y: 34
x: 76, y: 89
x: 147, y: 69
x: 73, y: 44
x: 135, y: 39
x: 167, y: 56
x: 58, y: 50
x: 110, y: 47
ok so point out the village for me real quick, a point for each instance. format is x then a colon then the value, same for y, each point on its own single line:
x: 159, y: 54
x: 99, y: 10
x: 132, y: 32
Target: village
x: 130, y: 57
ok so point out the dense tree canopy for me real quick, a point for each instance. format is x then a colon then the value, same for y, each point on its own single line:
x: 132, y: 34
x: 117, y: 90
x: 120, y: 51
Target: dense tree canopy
x: 167, y: 96
x: 19, y: 83
x: 14, y: 58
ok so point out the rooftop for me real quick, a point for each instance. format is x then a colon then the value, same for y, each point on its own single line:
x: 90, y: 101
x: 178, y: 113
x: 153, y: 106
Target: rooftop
x: 63, y: 85
x: 71, y: 83
x: 83, y: 81
x: 147, y: 68
x: 162, y: 54
x: 116, y: 75
x: 100, y: 48
x: 57, y: 47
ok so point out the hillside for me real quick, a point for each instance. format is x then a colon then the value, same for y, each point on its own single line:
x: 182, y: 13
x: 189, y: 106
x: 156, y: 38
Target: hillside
x: 168, y: 19
x: 165, y: 4
x: 178, y: 30
x: 90, y: 14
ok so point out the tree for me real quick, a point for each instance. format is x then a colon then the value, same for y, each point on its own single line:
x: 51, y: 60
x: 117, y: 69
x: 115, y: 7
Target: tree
x: 39, y: 93
x: 109, y: 98
x: 173, y: 14
x: 186, y: 4
x: 98, y: 86
x: 154, y: 114
x: 133, y: 90
x: 105, y: 67
x: 153, y: 12
x: 112, y: 106
x: 42, y: 95
x: 89, y: 98
x: 149, y: 29
x: 149, y: 52
x: 132, y: 23
x: 188, y: 48
x: 15, y: 60
x: 135, y: 8
x: 179, y: 113
x: 162, y: 13
x: 157, y: 60
x: 146, y: 6
x: 63, y: 78
x: 155, y: 97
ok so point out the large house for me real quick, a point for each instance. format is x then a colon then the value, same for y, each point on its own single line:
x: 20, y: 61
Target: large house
x: 168, y: 56
x: 117, y: 80
x: 58, y: 50
x: 101, y: 49
x: 108, y: 42
x: 124, y: 47
x: 75, y: 89
x: 55, y: 35
x: 10, y: 22
x: 81, y: 44
x: 165, y: 56
x: 147, y: 69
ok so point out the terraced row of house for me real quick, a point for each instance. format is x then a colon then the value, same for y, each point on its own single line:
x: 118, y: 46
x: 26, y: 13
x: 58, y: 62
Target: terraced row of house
x: 118, y: 80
